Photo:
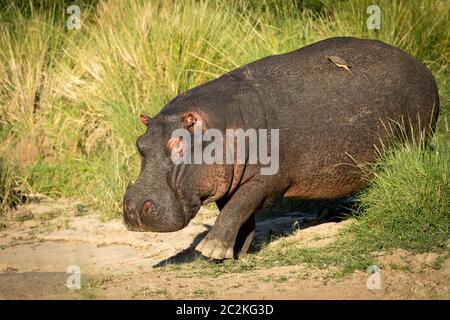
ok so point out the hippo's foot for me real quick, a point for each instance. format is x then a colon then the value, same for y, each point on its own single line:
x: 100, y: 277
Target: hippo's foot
x: 215, y: 249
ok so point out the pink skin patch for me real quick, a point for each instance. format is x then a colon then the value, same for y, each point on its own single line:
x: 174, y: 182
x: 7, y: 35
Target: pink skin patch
x: 175, y: 146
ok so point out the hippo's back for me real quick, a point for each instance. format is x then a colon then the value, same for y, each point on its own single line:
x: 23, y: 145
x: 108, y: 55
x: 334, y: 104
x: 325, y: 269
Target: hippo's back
x: 331, y: 117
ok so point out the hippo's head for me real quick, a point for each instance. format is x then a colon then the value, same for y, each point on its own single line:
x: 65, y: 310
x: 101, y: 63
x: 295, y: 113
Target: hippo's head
x: 166, y: 195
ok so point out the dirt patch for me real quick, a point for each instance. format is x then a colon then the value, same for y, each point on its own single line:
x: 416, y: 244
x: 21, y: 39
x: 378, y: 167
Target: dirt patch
x: 43, y: 239
x: 317, y: 236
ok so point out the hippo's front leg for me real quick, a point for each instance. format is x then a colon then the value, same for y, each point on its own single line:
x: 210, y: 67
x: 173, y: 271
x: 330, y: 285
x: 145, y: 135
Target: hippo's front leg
x: 237, y: 212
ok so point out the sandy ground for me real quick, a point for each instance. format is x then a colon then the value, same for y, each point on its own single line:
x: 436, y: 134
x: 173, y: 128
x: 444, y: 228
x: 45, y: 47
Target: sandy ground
x: 42, y: 240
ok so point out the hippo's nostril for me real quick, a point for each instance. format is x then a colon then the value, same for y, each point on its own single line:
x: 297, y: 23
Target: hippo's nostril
x: 146, y: 207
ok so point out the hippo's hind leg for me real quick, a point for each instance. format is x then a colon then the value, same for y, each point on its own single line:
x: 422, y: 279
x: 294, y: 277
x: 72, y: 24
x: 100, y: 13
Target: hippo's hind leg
x: 235, y: 225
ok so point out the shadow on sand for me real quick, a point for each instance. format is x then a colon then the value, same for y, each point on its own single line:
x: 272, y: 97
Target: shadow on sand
x: 284, y: 218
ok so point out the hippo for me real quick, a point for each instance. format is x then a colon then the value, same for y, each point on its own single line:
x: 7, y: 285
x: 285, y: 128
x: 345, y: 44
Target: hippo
x: 333, y: 106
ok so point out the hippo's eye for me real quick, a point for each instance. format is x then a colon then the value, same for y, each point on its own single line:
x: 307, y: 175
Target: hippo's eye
x: 140, y: 145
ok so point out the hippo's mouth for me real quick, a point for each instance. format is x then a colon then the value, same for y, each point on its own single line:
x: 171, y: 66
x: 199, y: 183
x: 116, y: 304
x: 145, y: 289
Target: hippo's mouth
x: 141, y: 224
x: 137, y: 226
x: 189, y: 213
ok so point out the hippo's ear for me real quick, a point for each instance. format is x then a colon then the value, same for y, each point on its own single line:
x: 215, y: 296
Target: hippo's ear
x: 145, y: 119
x: 193, y: 120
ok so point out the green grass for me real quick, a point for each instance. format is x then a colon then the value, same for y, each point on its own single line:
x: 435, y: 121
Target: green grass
x: 12, y: 185
x: 70, y: 101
